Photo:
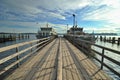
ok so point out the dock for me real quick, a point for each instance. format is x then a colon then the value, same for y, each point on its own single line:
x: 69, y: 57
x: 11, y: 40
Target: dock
x: 5, y: 37
x: 58, y: 60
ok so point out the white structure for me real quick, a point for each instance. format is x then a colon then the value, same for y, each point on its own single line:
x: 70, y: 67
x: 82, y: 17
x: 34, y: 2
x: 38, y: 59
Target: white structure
x: 76, y: 31
x: 46, y: 32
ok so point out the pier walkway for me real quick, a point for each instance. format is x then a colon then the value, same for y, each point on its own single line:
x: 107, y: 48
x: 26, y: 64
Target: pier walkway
x: 59, y: 60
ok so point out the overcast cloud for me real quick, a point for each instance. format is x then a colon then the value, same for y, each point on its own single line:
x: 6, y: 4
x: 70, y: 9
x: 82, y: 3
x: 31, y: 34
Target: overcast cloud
x: 97, y: 15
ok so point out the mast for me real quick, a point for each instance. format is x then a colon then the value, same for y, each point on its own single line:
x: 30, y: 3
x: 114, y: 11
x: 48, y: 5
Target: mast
x: 73, y: 27
x: 47, y: 25
x: 76, y: 24
x: 73, y: 20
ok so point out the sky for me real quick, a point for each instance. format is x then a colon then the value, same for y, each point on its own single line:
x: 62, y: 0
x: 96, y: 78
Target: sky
x: 100, y: 16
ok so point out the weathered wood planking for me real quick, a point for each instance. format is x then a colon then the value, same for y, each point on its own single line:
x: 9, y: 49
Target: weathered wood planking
x: 19, y: 44
x: 70, y: 71
x: 66, y: 67
x: 24, y: 69
x: 91, y: 68
x: 18, y: 53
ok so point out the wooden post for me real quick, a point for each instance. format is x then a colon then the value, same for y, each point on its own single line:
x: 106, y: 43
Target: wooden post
x: 113, y: 40
x: 31, y: 46
x: 100, y: 38
x: 22, y: 36
x: 102, y: 59
x: 17, y: 57
x: 10, y: 37
x: 28, y: 36
x: 105, y: 39
x: 109, y: 39
x: 19, y: 36
x: 118, y: 41
x: 4, y: 38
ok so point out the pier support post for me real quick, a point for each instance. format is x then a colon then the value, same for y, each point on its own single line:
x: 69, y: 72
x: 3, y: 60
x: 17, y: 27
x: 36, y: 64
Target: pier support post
x: 19, y: 36
x: 28, y: 36
x: 110, y: 39
x: 118, y: 41
x: 113, y: 40
x: 105, y: 39
x: 101, y: 38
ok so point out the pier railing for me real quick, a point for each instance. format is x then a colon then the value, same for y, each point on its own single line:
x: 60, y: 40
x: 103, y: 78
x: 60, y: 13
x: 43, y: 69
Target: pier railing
x: 85, y: 47
x: 33, y: 46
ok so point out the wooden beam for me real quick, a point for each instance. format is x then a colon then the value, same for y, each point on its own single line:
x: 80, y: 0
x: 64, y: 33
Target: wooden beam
x: 59, y: 70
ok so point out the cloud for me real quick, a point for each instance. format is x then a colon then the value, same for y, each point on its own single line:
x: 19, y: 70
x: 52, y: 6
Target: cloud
x: 59, y: 12
x: 105, y: 14
x: 33, y: 8
x: 57, y: 15
x: 103, y: 29
x: 9, y: 26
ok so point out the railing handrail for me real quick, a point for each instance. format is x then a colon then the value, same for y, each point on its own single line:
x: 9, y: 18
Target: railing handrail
x: 83, y: 45
x: 103, y: 56
x: 91, y: 43
x: 18, y: 53
x: 42, y: 42
x: 19, y: 44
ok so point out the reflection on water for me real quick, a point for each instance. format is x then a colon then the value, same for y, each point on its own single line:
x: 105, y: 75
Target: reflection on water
x: 110, y: 54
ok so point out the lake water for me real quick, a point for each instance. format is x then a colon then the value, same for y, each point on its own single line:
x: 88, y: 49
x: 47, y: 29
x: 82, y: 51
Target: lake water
x: 105, y: 44
x: 110, y: 54
x: 12, y: 51
x: 32, y: 37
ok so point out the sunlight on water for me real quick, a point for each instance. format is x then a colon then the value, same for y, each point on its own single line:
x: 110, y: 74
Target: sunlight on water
x: 110, y: 54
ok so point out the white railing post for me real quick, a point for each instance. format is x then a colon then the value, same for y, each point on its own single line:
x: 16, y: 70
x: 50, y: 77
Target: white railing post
x: 17, y: 57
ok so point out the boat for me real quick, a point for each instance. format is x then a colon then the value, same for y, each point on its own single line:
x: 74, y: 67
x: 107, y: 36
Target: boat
x: 44, y: 32
x: 77, y: 32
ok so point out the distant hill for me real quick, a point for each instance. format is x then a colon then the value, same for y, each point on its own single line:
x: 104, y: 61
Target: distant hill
x: 105, y: 33
x: 16, y: 33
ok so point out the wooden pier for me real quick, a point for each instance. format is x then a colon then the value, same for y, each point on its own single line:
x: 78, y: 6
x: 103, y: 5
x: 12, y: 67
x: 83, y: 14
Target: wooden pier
x: 59, y: 60
x: 112, y: 40
x: 5, y: 37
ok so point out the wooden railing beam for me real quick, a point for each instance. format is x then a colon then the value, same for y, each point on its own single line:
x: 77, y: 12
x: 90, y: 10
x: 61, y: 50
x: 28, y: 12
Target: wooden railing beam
x: 79, y: 44
x: 43, y: 41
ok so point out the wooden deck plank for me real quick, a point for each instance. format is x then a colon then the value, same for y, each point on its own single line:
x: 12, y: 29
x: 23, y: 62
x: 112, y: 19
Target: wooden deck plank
x: 75, y: 73
x: 50, y: 62
x: 70, y: 70
x: 70, y: 67
x: 64, y: 64
x: 70, y: 76
x: 89, y: 65
x: 49, y: 67
x: 24, y: 69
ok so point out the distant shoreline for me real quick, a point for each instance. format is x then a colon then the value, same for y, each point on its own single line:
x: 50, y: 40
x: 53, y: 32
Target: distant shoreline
x: 16, y: 33
x: 105, y: 34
